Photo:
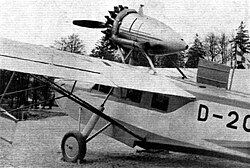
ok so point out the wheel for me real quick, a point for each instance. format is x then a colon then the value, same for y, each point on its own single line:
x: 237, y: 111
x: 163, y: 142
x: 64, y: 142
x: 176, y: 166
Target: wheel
x: 73, y: 146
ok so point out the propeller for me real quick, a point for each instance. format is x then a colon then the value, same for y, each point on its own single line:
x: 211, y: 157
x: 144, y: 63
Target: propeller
x: 90, y: 24
x: 108, y: 24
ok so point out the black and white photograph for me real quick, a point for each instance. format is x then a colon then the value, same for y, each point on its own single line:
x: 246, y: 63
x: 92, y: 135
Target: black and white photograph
x: 131, y: 84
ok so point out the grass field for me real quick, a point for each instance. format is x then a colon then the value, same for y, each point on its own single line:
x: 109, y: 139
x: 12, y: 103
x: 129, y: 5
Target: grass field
x: 36, y: 143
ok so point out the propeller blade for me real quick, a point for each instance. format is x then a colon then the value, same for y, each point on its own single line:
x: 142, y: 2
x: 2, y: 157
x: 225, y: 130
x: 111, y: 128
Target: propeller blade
x: 90, y: 24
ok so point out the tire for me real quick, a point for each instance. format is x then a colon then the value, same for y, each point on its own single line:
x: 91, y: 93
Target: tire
x: 73, y: 146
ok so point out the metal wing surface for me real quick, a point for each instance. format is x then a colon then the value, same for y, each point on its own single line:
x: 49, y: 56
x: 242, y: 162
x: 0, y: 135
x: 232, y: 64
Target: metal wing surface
x: 40, y: 60
x: 140, y: 78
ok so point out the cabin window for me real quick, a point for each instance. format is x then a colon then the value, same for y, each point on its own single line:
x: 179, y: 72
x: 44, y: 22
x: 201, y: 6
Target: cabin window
x: 134, y: 95
x: 102, y: 88
x: 160, y: 101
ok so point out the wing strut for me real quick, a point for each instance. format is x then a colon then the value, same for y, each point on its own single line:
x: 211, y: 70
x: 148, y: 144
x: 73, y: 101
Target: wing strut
x: 177, y: 67
x: 88, y: 106
x: 149, y: 60
x: 7, y: 87
x: 4, y: 113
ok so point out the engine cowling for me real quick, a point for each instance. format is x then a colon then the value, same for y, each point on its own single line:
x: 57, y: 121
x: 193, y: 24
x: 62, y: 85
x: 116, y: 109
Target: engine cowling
x: 129, y: 29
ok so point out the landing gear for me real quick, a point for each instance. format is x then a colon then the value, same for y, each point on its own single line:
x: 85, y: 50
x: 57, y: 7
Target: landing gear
x: 73, y: 146
x: 74, y: 142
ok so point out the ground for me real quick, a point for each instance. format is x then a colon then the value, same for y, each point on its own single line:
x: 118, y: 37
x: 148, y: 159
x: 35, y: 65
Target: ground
x: 36, y: 143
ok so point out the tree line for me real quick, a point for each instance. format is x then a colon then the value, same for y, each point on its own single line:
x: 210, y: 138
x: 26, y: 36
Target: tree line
x: 222, y: 48
x: 219, y: 48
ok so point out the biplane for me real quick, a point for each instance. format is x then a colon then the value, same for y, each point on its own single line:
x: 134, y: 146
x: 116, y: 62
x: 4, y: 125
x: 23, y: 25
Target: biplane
x: 204, y: 111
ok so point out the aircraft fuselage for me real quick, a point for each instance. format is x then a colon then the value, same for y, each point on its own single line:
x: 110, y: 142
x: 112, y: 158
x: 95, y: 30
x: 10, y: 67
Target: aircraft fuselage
x: 215, y: 125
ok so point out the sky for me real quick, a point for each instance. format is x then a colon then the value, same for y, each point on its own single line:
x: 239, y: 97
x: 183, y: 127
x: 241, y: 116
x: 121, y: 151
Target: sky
x: 44, y: 21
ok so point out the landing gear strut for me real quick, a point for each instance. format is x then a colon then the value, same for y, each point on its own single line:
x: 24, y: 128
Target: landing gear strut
x: 74, y: 142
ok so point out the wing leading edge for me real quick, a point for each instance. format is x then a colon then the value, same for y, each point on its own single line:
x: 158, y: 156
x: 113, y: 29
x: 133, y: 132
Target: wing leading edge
x: 35, y: 59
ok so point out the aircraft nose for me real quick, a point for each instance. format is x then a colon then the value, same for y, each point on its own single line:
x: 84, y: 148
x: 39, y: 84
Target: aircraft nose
x: 186, y: 46
x: 181, y: 45
x: 169, y: 46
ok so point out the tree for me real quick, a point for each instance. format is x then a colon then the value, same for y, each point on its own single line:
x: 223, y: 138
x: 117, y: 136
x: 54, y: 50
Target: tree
x: 104, y: 49
x: 212, y: 46
x: 195, y: 52
x: 223, y: 44
x: 164, y: 62
x: 71, y: 43
x: 181, y: 58
x: 241, y: 44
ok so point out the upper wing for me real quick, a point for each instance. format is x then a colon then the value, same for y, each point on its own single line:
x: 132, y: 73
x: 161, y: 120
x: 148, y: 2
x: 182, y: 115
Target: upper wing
x: 28, y: 58
x: 40, y: 60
